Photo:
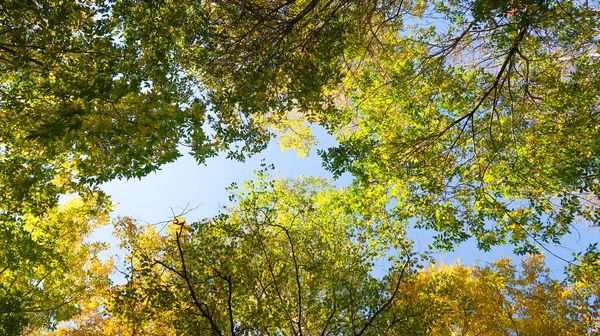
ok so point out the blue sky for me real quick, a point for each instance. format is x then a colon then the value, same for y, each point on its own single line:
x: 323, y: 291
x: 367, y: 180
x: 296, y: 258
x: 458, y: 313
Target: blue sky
x: 185, y: 182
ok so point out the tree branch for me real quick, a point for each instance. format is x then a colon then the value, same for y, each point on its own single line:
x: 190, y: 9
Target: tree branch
x: 205, y: 312
x: 513, y: 50
x: 388, y: 302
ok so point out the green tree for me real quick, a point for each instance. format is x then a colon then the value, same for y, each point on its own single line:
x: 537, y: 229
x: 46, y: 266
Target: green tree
x: 478, y: 116
x: 47, y: 269
x: 289, y: 257
x: 82, y: 101
x: 79, y: 97
x: 484, y: 128
x: 293, y: 257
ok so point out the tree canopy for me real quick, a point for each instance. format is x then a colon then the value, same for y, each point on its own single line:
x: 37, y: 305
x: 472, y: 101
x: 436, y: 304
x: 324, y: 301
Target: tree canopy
x: 472, y: 118
x: 294, y: 257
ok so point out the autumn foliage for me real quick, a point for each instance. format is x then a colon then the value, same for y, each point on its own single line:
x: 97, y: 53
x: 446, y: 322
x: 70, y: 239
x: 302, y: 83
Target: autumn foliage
x: 476, y: 120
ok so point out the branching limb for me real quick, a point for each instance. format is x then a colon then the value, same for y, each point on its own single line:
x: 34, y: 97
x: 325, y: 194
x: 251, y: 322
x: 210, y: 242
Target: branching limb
x: 388, y: 302
x: 203, y: 308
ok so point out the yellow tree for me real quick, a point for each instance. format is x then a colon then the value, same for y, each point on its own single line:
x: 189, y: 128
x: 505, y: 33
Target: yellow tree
x: 47, y: 269
x: 501, y: 299
x: 298, y: 257
x: 287, y: 258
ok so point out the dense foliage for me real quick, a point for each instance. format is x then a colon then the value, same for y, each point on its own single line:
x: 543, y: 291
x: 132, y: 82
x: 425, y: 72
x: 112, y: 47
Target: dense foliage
x: 473, y: 118
x: 299, y: 257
